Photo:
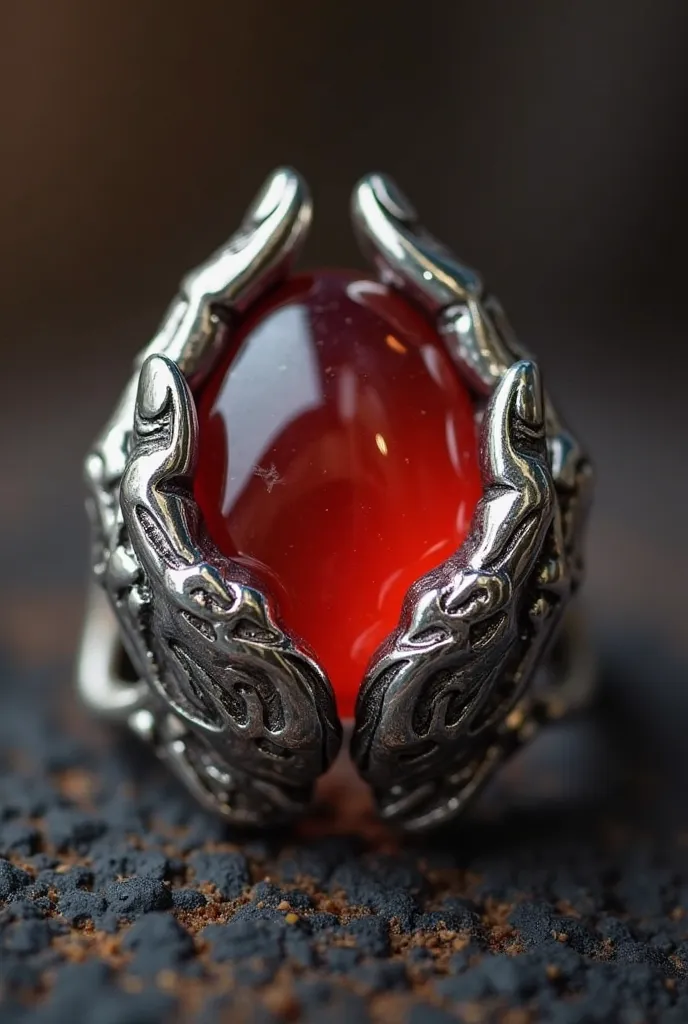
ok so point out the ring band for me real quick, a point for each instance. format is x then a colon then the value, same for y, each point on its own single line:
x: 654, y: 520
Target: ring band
x: 196, y: 658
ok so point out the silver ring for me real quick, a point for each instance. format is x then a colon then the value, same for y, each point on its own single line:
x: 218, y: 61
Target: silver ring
x: 184, y: 642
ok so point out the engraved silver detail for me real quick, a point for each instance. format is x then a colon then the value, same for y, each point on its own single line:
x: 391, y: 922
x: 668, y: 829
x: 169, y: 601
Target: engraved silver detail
x: 226, y: 696
x: 450, y: 694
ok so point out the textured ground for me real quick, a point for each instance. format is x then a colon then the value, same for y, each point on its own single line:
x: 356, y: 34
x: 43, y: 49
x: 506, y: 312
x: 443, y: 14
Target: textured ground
x: 121, y: 902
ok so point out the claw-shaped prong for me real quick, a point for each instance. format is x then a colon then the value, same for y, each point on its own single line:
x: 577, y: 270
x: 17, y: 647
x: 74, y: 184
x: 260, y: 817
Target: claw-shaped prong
x: 164, y: 448
x: 390, y: 234
x: 261, y: 252
x: 410, y: 258
x: 476, y: 331
x: 461, y: 656
x: 257, y: 255
x: 516, y: 477
x: 255, y: 715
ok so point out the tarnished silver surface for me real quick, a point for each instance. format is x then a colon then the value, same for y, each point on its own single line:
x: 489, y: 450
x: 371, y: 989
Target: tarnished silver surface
x: 240, y: 711
x: 450, y: 694
x: 219, y: 686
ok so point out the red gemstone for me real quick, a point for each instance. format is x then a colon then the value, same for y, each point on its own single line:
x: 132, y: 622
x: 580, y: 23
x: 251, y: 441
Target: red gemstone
x: 338, y: 457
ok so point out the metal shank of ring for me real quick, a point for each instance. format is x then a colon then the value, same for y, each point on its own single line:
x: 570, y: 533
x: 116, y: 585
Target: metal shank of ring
x: 226, y: 696
x: 451, y: 693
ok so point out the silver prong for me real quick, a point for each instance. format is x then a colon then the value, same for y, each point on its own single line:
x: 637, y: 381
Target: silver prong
x: 185, y: 609
x: 411, y: 259
x: 389, y: 233
x: 462, y: 655
x: 272, y: 231
x: 164, y: 402
x: 164, y: 449
x: 517, y: 483
x: 259, y: 254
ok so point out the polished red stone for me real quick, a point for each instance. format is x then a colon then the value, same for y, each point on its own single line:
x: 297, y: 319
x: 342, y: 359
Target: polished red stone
x: 337, y: 457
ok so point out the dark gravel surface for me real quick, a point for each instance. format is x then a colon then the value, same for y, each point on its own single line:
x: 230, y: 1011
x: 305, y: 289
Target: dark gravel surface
x: 565, y: 900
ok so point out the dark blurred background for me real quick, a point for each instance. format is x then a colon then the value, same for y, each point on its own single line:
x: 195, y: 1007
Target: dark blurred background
x: 546, y: 142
